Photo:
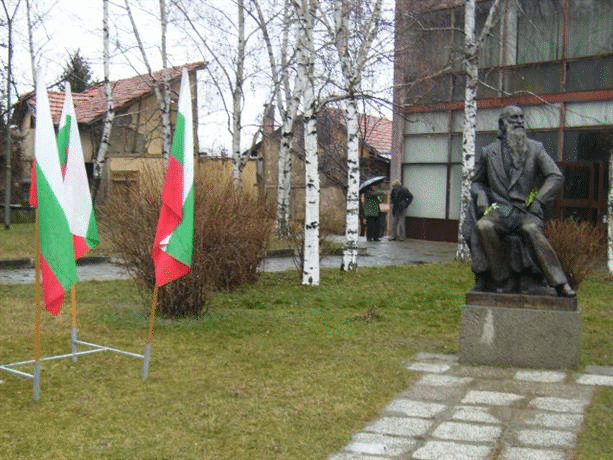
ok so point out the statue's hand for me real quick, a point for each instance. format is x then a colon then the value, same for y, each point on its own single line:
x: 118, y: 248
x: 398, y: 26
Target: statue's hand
x: 536, y: 208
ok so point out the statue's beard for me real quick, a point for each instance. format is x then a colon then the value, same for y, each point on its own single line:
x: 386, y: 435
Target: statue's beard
x: 518, y: 142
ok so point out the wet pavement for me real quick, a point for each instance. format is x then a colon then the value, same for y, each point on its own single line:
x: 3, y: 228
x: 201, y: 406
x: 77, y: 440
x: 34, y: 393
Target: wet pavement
x: 375, y: 254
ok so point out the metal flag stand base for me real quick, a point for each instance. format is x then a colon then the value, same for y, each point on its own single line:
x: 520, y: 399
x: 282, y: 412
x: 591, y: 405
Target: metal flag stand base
x: 94, y: 348
x: 75, y: 342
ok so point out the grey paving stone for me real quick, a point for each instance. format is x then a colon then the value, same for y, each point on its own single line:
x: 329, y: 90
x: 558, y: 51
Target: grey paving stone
x: 437, y: 368
x: 576, y: 406
x: 438, y: 380
x: 554, y: 420
x: 495, y: 398
x: 540, y: 376
x: 471, y: 432
x: 400, y: 426
x: 547, y: 438
x: 484, y: 372
x: 350, y: 456
x: 409, y: 408
x: 599, y: 380
x: 600, y: 370
x: 474, y: 414
x: 526, y: 453
x: 423, y: 356
x: 436, y: 394
x: 439, y: 450
x: 378, y: 444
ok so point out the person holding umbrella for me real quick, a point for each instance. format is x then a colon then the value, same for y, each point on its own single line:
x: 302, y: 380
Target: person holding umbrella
x: 372, y: 198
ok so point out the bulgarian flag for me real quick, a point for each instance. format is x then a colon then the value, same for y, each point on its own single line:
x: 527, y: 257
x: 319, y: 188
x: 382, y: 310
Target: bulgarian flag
x: 58, y: 265
x: 172, y: 248
x: 81, y: 217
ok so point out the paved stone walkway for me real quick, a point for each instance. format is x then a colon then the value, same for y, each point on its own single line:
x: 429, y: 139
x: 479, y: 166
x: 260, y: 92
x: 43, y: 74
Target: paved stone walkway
x: 456, y: 411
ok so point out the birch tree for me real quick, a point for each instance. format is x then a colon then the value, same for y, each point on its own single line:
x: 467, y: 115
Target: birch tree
x: 306, y: 11
x: 472, y: 47
x: 358, y: 35
x: 163, y: 97
x: 101, y: 154
x: 610, y: 215
x: 9, y: 17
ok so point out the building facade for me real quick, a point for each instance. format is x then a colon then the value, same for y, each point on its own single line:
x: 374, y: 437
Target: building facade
x: 554, y: 58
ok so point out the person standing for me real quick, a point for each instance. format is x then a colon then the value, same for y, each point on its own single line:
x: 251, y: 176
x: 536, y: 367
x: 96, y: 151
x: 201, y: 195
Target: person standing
x: 372, y: 198
x: 401, y: 199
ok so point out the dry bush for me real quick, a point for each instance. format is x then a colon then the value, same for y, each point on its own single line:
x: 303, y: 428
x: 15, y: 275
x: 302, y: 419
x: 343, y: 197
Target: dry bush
x: 579, y: 245
x: 231, y: 232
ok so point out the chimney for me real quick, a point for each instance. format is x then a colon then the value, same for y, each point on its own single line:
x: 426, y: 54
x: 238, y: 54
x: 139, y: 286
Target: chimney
x: 268, y: 124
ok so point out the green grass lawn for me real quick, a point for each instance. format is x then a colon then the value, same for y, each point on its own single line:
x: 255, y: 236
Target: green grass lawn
x: 276, y: 371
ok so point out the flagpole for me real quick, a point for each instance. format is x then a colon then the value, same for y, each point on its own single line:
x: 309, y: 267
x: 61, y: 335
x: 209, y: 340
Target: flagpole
x: 148, y: 348
x: 37, y: 320
x: 73, y: 331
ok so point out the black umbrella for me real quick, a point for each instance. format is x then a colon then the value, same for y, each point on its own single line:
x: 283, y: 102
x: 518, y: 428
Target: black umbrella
x: 372, y: 181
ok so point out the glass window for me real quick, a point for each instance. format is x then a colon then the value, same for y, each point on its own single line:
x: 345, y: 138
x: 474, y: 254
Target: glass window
x: 588, y: 145
x: 426, y: 149
x: 590, y: 75
x: 590, y: 30
x: 428, y: 183
x: 539, y: 31
x: 549, y: 139
x: 540, y: 79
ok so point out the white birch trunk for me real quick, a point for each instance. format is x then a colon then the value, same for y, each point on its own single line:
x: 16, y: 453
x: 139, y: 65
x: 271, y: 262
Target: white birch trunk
x: 471, y: 64
x: 310, y: 271
x: 237, y: 93
x: 472, y: 47
x: 350, y: 251
x: 165, y: 104
x: 110, y: 110
x: 610, y: 215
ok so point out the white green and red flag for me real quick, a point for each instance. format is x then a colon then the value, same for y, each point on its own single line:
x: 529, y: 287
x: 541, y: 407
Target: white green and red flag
x: 172, y: 248
x: 81, y: 217
x: 58, y: 264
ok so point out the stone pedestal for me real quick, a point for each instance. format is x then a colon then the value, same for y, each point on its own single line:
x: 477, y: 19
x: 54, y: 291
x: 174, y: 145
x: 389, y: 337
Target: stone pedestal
x: 542, y: 332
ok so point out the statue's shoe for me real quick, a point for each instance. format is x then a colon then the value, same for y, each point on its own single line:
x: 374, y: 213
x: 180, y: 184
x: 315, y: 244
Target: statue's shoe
x: 564, y: 290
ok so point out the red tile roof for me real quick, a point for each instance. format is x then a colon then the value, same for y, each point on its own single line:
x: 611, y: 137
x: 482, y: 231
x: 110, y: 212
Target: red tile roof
x: 375, y: 131
x: 91, y: 105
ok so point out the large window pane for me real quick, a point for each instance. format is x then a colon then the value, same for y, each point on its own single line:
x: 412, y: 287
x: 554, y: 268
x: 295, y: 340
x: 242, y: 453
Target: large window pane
x: 539, y: 31
x: 590, y: 75
x: 590, y: 30
x: 588, y: 145
x: 426, y: 149
x: 428, y: 183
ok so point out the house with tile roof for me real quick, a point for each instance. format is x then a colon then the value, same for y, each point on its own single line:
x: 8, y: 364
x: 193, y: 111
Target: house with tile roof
x: 375, y: 152
x: 136, y: 136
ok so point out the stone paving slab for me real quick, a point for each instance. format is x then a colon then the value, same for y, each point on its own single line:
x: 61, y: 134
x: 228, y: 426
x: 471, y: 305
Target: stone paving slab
x: 554, y: 420
x: 577, y: 406
x: 473, y: 432
x: 400, y: 426
x: 377, y: 444
x: 437, y: 380
x: 435, y: 450
x: 437, y: 368
x: 409, y: 408
x: 496, y: 398
x: 599, y: 380
x: 547, y: 438
x: 526, y: 453
x: 540, y: 376
x: 474, y: 414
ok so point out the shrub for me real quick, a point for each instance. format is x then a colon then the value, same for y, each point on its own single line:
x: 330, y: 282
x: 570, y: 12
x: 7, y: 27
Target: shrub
x: 579, y: 245
x: 231, y: 231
